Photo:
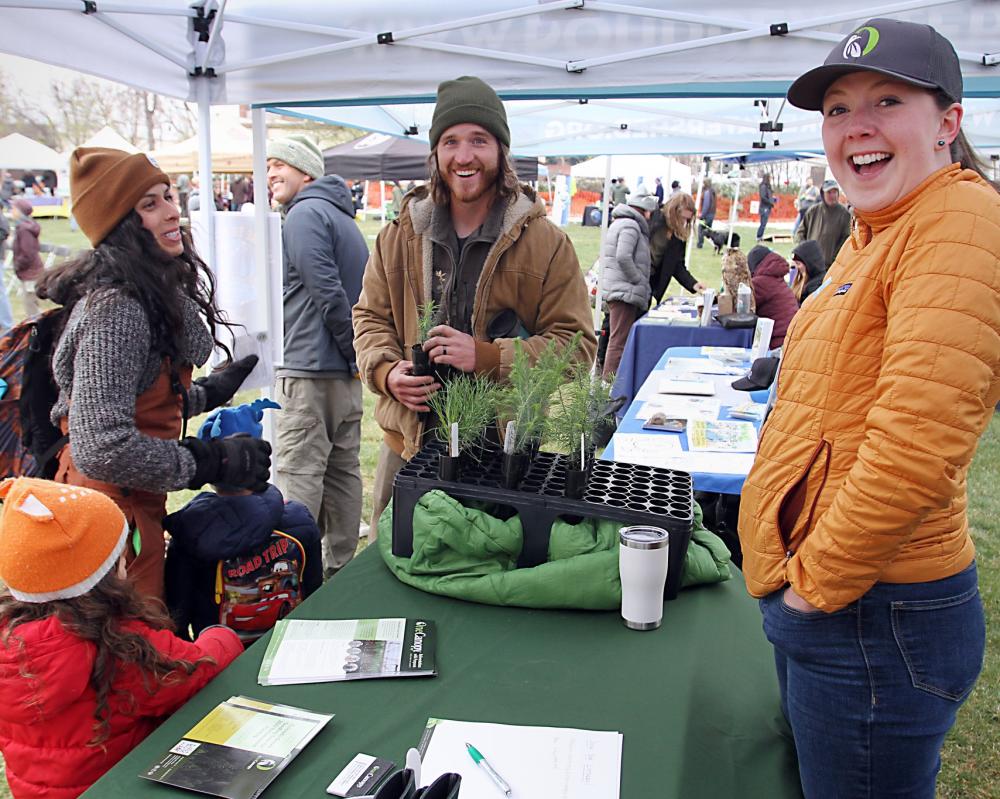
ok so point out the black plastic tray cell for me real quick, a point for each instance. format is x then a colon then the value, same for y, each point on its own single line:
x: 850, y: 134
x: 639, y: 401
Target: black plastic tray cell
x: 622, y: 492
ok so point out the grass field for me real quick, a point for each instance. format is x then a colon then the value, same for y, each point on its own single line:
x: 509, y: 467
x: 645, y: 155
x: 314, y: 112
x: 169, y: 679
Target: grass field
x: 971, y: 757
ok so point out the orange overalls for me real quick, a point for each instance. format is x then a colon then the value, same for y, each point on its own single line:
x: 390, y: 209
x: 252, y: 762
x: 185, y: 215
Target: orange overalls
x: 158, y: 413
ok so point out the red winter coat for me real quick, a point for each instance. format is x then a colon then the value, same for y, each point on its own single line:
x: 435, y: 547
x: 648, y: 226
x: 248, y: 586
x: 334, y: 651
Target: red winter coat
x: 773, y: 297
x: 46, y: 719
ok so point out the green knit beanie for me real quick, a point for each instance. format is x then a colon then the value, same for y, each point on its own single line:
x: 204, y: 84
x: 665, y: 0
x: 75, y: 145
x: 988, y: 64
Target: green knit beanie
x: 467, y: 100
x: 300, y: 152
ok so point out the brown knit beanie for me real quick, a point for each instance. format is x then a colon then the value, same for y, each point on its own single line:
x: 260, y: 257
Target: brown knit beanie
x: 468, y: 100
x: 106, y: 184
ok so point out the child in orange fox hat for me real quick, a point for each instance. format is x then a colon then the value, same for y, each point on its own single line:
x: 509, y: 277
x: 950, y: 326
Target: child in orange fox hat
x: 104, y: 667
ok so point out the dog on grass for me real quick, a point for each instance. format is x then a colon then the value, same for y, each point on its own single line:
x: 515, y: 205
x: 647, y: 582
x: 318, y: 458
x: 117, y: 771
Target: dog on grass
x: 720, y: 238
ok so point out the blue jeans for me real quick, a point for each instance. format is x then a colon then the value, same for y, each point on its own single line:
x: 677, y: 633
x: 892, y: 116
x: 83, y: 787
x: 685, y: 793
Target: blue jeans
x: 765, y: 213
x: 871, y: 690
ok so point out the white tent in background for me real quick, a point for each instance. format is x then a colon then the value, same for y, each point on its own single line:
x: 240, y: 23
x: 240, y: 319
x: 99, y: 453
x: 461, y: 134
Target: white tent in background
x: 638, y: 170
x: 232, y: 151
x: 20, y: 152
x: 109, y: 137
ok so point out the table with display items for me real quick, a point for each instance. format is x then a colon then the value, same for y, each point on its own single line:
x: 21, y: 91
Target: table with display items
x: 650, y: 337
x: 721, y: 482
x: 696, y: 700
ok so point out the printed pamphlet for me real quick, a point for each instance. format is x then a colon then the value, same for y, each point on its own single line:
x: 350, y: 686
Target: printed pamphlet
x: 306, y: 651
x: 722, y: 436
x: 238, y: 749
x: 751, y: 411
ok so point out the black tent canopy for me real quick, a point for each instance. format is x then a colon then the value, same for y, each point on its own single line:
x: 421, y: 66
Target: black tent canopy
x: 378, y: 156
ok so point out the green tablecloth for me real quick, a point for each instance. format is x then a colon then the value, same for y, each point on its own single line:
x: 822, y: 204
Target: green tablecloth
x: 697, y: 700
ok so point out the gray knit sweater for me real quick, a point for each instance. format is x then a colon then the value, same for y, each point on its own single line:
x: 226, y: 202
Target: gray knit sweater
x: 101, y: 364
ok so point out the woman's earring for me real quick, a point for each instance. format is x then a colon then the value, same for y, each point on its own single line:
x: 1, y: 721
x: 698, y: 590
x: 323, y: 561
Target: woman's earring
x: 941, y: 142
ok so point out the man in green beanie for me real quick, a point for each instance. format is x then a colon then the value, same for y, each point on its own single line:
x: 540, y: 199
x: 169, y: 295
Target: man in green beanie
x: 479, y: 246
x: 319, y: 427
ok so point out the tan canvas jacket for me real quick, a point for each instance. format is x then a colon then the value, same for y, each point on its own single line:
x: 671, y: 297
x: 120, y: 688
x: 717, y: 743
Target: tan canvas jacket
x: 532, y: 269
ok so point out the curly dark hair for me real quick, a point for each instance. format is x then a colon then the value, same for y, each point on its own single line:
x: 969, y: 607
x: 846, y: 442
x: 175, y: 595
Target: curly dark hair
x: 97, y: 617
x: 129, y: 260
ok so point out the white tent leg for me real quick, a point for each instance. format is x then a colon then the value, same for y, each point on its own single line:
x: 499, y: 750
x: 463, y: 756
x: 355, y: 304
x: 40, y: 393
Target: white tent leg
x: 205, y: 192
x: 732, y: 211
x: 697, y: 210
x: 605, y: 221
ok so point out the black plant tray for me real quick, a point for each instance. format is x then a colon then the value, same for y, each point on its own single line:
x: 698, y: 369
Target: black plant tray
x: 622, y: 492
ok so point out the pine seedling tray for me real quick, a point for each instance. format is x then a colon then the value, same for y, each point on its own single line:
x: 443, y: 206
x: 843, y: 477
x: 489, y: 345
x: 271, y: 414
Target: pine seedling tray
x: 622, y: 492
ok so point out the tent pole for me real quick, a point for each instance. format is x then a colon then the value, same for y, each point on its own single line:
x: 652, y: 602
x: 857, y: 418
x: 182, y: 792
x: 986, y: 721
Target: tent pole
x: 697, y: 212
x: 732, y: 210
x: 381, y: 199
x: 605, y: 221
x: 205, y: 192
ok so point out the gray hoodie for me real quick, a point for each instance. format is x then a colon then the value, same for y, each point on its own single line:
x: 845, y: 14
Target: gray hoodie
x: 324, y: 261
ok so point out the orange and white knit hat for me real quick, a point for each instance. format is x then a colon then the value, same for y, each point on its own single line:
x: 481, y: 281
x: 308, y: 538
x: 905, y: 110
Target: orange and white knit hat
x: 56, y: 541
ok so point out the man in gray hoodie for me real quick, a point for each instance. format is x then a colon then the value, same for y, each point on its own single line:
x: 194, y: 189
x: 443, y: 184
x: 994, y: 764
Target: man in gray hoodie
x: 319, y: 426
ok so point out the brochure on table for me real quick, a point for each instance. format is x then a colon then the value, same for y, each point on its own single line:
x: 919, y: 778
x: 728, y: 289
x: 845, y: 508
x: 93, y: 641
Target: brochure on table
x: 537, y: 762
x: 238, y: 749
x: 307, y: 651
x: 721, y: 436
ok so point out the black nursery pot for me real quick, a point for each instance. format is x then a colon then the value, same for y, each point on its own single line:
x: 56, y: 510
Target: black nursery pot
x: 449, y: 468
x: 421, y: 361
x: 513, y: 468
x: 576, y: 483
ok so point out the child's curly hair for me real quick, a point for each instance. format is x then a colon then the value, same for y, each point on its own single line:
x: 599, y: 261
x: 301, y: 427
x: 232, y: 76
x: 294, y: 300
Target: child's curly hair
x: 97, y: 617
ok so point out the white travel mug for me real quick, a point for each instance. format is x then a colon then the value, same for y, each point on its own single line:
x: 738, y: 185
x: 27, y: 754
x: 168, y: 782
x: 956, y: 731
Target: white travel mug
x: 642, y: 565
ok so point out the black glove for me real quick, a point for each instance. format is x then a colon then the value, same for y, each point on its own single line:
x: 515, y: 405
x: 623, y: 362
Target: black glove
x: 401, y: 785
x: 223, y: 383
x: 239, y: 461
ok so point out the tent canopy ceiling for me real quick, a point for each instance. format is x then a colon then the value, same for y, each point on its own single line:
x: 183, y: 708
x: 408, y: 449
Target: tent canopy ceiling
x: 266, y: 53
x: 675, y: 126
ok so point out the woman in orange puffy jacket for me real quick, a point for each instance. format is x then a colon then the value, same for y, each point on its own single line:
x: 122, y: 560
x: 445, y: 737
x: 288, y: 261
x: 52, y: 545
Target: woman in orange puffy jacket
x: 853, y: 520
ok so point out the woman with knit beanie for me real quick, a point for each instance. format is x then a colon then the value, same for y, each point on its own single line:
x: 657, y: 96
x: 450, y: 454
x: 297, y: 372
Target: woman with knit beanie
x: 134, y: 326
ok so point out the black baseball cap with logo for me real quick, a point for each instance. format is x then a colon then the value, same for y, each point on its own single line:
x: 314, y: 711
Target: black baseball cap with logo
x: 907, y: 51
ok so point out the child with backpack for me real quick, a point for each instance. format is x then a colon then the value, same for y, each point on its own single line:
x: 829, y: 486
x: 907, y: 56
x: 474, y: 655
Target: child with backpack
x: 88, y: 668
x: 240, y: 558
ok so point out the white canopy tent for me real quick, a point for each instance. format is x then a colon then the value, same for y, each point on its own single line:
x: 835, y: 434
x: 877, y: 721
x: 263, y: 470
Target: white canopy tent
x: 639, y: 171
x: 383, y: 52
x: 108, y: 137
x: 20, y: 152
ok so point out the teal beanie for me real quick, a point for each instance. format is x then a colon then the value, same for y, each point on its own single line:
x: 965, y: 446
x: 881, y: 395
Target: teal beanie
x: 468, y: 100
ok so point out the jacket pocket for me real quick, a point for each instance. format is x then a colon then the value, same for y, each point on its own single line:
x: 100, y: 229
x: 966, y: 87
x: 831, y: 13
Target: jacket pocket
x: 797, y: 506
x: 942, y: 642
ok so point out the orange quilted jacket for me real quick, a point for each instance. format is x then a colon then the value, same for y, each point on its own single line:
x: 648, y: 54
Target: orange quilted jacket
x: 890, y: 374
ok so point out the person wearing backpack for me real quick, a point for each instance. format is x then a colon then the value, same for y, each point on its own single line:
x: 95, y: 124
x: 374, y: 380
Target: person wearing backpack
x: 134, y: 326
x: 88, y: 667
x: 234, y: 524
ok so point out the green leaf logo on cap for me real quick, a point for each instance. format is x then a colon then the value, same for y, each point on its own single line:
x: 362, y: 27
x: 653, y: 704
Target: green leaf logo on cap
x: 853, y: 47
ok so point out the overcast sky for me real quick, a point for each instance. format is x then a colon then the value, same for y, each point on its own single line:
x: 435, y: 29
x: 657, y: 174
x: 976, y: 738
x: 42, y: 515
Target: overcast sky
x: 32, y: 78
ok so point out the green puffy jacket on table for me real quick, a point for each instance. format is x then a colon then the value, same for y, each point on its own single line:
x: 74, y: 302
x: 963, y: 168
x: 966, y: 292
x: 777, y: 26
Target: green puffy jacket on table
x: 467, y: 554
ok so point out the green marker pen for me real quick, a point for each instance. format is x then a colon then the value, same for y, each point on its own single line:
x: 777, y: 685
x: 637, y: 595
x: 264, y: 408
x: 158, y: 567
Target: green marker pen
x: 491, y: 772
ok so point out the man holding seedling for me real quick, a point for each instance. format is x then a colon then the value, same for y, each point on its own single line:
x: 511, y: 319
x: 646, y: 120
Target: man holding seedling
x: 477, y: 244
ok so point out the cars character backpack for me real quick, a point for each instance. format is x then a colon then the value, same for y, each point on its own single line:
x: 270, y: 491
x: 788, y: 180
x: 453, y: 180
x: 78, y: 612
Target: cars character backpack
x: 256, y: 588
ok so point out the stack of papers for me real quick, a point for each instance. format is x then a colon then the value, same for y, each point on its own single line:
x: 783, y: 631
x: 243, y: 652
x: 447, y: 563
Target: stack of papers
x: 731, y: 355
x: 679, y: 385
x: 753, y: 411
x: 681, y: 407
x: 537, y: 762
x: 238, y: 749
x: 649, y: 449
x: 703, y: 366
x: 304, y: 651
x: 722, y: 436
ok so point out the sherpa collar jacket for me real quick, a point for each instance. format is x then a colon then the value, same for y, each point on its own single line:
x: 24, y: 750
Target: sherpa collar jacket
x: 47, y: 719
x: 532, y: 269
x: 890, y: 373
